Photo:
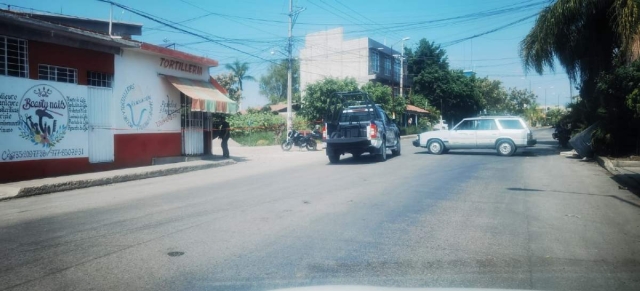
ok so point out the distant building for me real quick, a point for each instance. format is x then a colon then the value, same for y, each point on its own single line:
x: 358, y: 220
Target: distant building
x: 469, y: 73
x: 328, y: 54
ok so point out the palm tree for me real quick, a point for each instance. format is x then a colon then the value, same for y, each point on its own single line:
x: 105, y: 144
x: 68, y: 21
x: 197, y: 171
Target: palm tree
x: 587, y: 37
x: 239, y: 71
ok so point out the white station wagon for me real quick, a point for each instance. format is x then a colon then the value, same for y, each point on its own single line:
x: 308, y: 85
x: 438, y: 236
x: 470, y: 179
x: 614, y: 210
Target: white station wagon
x: 505, y: 134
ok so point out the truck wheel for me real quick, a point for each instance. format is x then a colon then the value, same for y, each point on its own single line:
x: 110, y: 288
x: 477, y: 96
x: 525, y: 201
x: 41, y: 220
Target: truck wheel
x: 334, y: 158
x: 382, y: 156
x: 505, y: 148
x: 398, y: 149
x: 435, y: 147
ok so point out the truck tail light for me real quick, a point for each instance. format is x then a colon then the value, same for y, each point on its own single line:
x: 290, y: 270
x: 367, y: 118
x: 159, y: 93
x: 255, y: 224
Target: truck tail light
x: 373, y: 131
x: 324, y: 132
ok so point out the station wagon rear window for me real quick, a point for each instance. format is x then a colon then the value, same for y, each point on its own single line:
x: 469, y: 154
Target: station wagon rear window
x: 511, y: 124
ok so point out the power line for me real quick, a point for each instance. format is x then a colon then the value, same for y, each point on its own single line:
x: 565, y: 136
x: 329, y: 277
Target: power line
x: 166, y: 23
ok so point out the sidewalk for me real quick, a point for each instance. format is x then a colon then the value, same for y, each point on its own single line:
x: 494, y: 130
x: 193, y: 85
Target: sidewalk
x: 626, y: 173
x: 65, y: 183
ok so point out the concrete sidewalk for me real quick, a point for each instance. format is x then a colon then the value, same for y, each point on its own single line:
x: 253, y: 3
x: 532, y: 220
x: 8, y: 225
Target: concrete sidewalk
x: 626, y: 173
x: 65, y: 183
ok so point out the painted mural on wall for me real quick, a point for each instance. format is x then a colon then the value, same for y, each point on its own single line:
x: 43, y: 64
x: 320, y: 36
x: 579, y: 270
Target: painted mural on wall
x: 136, y: 107
x: 168, y: 111
x: 42, y: 120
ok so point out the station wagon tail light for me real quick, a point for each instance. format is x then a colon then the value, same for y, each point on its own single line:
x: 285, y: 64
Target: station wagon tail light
x: 372, y: 131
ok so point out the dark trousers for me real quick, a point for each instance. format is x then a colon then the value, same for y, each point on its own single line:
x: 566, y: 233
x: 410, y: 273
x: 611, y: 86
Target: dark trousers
x: 225, y: 147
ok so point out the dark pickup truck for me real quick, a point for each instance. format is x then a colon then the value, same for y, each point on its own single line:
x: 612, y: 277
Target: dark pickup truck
x: 356, y: 125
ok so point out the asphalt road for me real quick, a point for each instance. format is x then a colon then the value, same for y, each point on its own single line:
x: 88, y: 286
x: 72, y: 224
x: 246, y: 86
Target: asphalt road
x: 536, y: 220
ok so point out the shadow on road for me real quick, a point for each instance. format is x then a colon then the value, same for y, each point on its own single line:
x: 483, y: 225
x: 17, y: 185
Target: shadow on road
x: 362, y: 160
x: 528, y: 152
x: 577, y: 193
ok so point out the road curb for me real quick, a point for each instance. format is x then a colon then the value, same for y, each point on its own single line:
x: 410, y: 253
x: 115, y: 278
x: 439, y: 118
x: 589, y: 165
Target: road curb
x: 9, y: 192
x: 607, y: 164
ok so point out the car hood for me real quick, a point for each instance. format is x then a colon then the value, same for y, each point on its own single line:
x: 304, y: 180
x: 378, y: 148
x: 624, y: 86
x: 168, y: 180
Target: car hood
x: 373, y: 288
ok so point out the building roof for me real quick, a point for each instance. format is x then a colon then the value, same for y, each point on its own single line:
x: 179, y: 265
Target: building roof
x: 147, y: 47
x: 54, y: 30
x: 416, y: 110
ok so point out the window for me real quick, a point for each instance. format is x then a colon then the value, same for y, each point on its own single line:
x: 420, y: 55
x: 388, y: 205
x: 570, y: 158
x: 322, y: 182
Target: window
x: 511, y: 124
x: 466, y: 125
x: 13, y: 57
x: 58, y: 74
x: 374, y: 62
x: 487, y: 124
x: 387, y: 67
x: 99, y: 79
x: 396, y: 70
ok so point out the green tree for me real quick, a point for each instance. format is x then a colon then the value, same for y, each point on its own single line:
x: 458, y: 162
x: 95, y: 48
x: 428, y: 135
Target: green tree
x: 317, y: 96
x: 455, y: 94
x: 383, y: 95
x: 554, y: 115
x: 273, y: 84
x: 239, y: 71
x: 227, y: 81
x: 518, y: 101
x: 588, y: 38
x: 493, y: 96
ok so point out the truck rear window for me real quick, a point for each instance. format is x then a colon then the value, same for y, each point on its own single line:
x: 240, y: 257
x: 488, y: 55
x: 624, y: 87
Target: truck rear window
x: 355, y: 116
x: 510, y: 124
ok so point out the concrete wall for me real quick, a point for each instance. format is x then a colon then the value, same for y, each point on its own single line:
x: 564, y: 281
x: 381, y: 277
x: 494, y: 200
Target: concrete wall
x: 327, y: 54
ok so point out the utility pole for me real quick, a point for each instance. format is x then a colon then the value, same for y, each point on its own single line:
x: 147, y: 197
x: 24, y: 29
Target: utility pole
x: 293, y: 16
x: 402, y: 66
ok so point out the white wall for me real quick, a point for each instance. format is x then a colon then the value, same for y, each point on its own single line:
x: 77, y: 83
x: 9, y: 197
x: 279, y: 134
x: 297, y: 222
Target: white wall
x: 63, y: 108
x: 144, y: 101
x: 327, y: 54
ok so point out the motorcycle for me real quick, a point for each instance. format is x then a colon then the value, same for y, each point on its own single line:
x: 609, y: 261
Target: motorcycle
x: 563, y: 135
x: 295, y: 138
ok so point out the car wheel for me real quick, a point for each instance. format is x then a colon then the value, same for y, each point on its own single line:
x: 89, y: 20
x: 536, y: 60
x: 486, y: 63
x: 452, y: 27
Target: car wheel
x: 334, y: 158
x: 382, y: 156
x: 506, y: 148
x: 398, y: 149
x: 436, y: 147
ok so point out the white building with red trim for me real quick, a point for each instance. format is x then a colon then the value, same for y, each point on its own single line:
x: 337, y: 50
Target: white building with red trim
x: 74, y: 100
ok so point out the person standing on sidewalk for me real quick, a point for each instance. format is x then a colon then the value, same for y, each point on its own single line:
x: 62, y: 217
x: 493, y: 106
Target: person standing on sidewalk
x: 224, y: 136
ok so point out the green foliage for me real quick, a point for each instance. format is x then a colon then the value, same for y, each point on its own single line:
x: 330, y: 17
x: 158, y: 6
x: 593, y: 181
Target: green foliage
x: 518, y: 101
x: 383, y: 95
x: 455, y: 94
x: 239, y: 72
x: 494, y: 96
x: 257, y: 138
x: 255, y: 122
x: 317, y: 95
x: 273, y: 84
x: 228, y: 81
x: 555, y: 115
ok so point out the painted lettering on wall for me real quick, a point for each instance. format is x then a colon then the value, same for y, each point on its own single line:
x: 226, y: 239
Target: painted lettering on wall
x: 9, y: 155
x: 9, y: 109
x: 78, y: 118
x: 136, y: 107
x: 43, y: 116
x: 180, y: 66
x: 168, y: 111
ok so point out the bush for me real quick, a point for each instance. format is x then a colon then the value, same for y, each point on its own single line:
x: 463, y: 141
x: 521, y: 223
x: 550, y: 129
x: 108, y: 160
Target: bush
x: 255, y: 122
x: 258, y: 138
x: 411, y: 130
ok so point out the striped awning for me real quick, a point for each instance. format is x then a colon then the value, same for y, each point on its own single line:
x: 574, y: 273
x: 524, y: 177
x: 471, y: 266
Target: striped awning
x: 205, y: 96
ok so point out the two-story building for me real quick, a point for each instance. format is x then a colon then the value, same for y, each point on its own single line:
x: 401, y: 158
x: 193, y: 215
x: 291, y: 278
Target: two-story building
x: 79, y: 95
x: 328, y: 54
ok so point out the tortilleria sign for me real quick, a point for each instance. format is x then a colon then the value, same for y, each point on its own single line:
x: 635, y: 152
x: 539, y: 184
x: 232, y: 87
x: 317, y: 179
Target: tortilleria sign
x: 180, y: 66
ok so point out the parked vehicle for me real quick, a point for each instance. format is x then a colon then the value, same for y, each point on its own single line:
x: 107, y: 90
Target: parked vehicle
x: 295, y: 138
x: 356, y: 125
x: 505, y: 134
x: 562, y: 134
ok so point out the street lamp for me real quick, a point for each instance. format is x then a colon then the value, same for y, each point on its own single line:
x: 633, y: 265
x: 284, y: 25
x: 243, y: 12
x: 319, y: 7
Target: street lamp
x: 545, y: 97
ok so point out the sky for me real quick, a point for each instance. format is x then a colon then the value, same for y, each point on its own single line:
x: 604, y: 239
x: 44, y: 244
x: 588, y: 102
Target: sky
x: 255, y: 32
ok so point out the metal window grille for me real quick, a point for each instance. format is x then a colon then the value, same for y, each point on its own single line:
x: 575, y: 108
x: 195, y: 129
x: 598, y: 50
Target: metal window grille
x: 387, y: 67
x: 375, y: 62
x: 58, y: 74
x: 396, y: 70
x: 97, y: 79
x: 14, y: 57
